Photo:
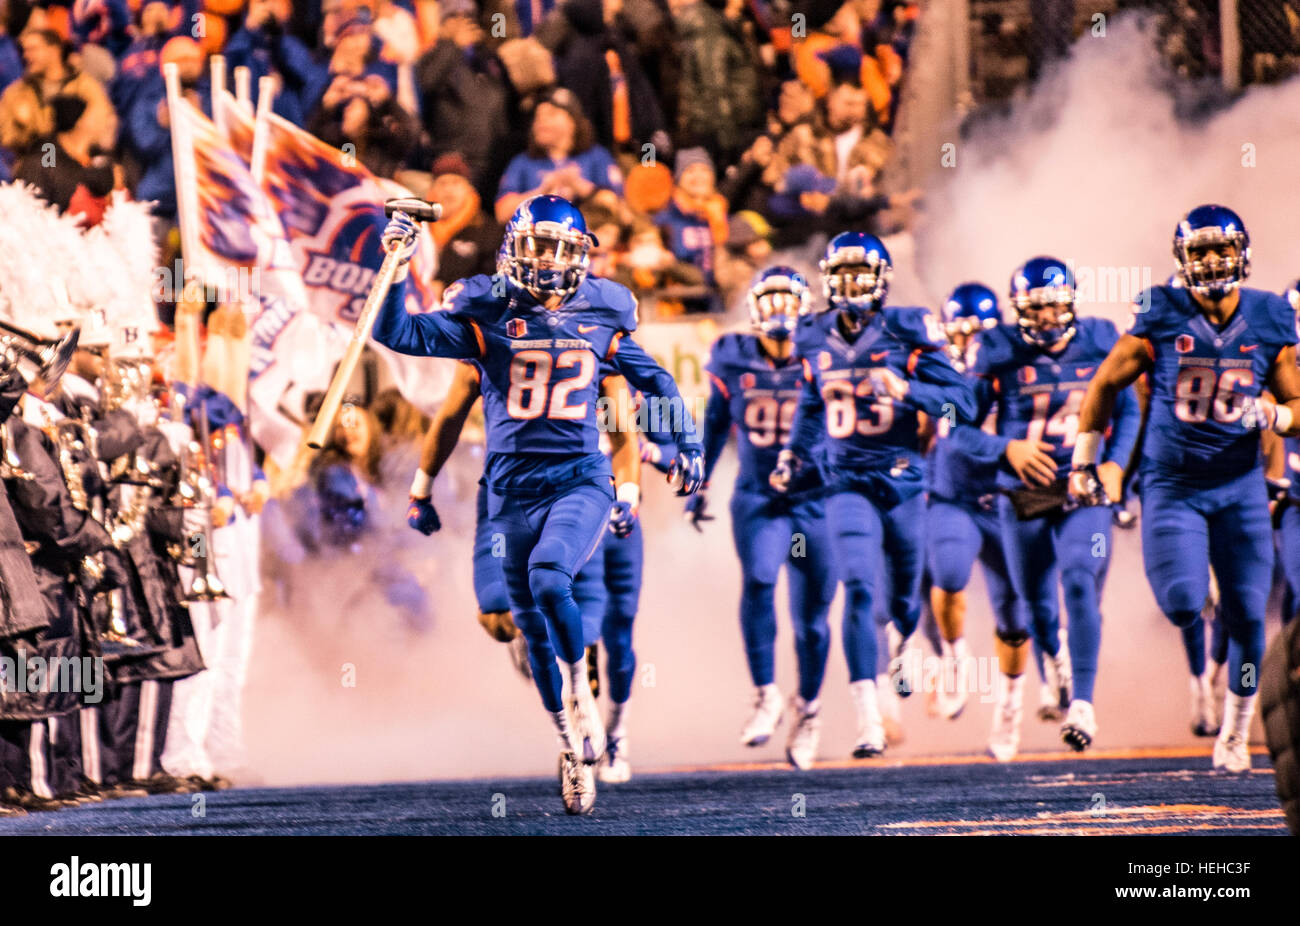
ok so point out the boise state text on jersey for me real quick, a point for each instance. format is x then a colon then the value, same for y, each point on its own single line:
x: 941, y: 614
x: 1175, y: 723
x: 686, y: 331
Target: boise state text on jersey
x: 760, y: 396
x: 1202, y: 376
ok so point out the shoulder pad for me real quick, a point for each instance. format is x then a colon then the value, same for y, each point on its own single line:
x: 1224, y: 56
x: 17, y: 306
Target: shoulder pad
x: 728, y: 349
x: 1101, y: 331
x: 1155, y: 309
x: 914, y: 326
x: 1270, y: 316
x: 997, y: 349
x: 810, y: 333
x: 473, y: 297
x: 614, y: 300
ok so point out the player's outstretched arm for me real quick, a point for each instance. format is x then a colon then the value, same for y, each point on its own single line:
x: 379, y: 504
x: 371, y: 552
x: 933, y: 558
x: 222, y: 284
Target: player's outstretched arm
x: 970, y: 438
x: 1127, y: 360
x: 717, y: 424
x: 625, y: 457
x: 939, y: 390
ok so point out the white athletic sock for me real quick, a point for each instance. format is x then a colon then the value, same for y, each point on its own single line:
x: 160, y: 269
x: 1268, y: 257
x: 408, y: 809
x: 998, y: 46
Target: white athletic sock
x: 617, y: 717
x: 865, y: 697
x: 561, y: 721
x: 1237, y: 713
x: 809, y: 708
x: 769, y: 691
x: 578, y: 678
x: 1014, y: 695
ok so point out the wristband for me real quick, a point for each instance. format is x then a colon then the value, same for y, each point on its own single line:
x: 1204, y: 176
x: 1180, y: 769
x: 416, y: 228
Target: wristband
x: 421, y: 485
x: 1086, y: 447
x: 629, y: 492
x: 1284, y: 420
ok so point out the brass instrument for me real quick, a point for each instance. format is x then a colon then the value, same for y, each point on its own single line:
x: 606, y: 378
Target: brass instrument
x: 197, y: 491
x: 50, y: 357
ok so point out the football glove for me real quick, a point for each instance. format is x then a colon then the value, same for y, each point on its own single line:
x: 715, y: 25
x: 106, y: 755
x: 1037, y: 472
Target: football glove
x: 422, y: 516
x: 622, y: 519
x: 686, y: 474
x: 401, y: 232
x: 1085, y: 485
x: 787, y: 466
x: 885, y: 382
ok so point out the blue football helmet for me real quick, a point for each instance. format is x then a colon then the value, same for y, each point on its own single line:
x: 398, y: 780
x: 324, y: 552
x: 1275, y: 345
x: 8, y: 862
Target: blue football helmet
x: 1213, y: 229
x: 855, y: 273
x: 777, y: 297
x: 1038, y: 283
x: 546, y: 246
x: 971, y: 307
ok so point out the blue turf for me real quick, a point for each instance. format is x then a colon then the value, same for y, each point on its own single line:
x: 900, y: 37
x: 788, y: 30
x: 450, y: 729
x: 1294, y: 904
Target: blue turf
x: 1087, y: 795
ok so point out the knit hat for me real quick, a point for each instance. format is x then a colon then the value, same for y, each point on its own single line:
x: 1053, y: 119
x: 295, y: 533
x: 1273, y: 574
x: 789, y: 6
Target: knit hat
x: 453, y: 162
x: 688, y: 157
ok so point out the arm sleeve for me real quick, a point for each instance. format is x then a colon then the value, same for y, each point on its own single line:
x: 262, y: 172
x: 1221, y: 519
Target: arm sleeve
x: 717, y: 423
x: 630, y: 359
x: 431, y: 334
x: 1125, y: 423
x: 937, y: 388
x: 809, y: 420
x: 970, y: 439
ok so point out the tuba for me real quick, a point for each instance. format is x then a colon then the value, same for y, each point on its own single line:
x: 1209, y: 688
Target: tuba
x: 197, y: 491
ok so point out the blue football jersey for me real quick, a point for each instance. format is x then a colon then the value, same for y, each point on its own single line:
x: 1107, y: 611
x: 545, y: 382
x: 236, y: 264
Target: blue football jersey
x: 756, y: 394
x: 1038, y: 394
x: 539, y: 370
x: 863, y: 430
x: 1201, y: 376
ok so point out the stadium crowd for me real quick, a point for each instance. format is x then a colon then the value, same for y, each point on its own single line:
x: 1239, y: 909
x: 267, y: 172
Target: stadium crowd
x: 696, y: 136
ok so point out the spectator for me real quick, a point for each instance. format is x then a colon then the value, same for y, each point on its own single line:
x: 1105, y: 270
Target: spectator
x: 606, y: 257
x: 355, y: 51
x: 832, y: 51
x: 650, y: 270
x: 748, y: 248
x: 719, y: 98
x: 148, y: 124
x: 11, y: 63
x: 595, y: 61
x: 71, y: 174
x: 25, y: 108
x: 364, y: 113
x: 465, y: 103
x: 139, y: 65
x: 467, y: 238
x: 102, y: 22
x: 530, y: 14
x: 263, y: 46
x: 562, y: 158
x: 695, y: 221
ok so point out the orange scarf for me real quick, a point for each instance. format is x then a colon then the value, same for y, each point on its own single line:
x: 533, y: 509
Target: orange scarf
x: 711, y: 208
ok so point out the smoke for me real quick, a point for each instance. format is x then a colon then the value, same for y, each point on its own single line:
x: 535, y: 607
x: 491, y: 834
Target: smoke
x: 1093, y: 166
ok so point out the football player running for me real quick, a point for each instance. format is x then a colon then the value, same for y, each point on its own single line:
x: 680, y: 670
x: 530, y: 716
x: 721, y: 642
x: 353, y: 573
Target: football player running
x: 755, y: 384
x: 538, y: 331
x: 961, y: 517
x: 1035, y: 373
x: 1210, y: 349
x: 869, y: 371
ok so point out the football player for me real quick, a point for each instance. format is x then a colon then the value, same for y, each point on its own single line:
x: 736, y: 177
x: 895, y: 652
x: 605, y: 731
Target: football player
x: 961, y: 516
x: 1035, y: 373
x: 1209, y: 349
x: 868, y: 372
x: 538, y: 331
x: 755, y: 384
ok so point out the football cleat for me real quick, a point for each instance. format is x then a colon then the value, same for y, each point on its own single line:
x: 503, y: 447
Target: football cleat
x: 900, y: 668
x: 805, y: 734
x: 953, y: 697
x: 768, y: 707
x: 614, y: 768
x: 577, y: 785
x: 1004, y: 738
x: 870, y: 740
x: 1204, y: 721
x: 1054, y: 696
x: 1231, y: 753
x: 1080, y: 726
x: 588, y: 730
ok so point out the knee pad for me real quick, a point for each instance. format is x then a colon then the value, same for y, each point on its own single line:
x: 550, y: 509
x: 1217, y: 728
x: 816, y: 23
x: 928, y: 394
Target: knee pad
x: 549, y: 586
x: 1181, y: 602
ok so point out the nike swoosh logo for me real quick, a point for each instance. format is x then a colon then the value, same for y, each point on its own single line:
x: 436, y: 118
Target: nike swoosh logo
x: 583, y: 329
x: 1247, y: 347
x: 876, y: 358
